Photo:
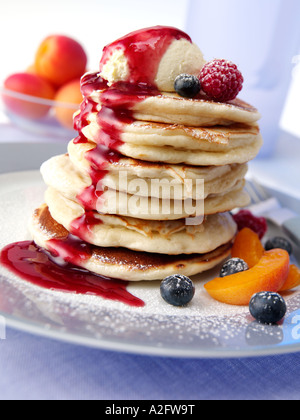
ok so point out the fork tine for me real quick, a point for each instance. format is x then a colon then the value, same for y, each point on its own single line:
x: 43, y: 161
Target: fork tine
x: 260, y: 190
x: 255, y: 198
x: 262, y: 203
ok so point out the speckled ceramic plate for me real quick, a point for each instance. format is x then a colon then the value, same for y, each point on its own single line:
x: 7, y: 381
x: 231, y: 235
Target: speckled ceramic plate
x: 204, y: 329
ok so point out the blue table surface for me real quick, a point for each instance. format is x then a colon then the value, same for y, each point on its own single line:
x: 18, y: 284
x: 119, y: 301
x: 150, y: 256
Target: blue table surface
x: 33, y: 367
x: 38, y: 368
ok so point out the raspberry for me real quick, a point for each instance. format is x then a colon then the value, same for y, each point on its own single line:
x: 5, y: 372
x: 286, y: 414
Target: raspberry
x: 245, y: 219
x: 221, y: 80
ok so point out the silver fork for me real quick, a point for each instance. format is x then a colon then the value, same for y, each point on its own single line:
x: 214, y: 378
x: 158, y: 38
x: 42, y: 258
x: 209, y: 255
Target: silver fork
x: 270, y: 208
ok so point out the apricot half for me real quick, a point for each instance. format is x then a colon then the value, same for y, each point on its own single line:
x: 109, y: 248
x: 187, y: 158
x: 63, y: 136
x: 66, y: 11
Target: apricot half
x: 293, y: 279
x: 248, y: 247
x: 269, y: 274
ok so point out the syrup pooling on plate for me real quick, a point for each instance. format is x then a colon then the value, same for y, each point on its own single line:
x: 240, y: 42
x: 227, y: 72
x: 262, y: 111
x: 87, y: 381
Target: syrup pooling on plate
x: 34, y: 265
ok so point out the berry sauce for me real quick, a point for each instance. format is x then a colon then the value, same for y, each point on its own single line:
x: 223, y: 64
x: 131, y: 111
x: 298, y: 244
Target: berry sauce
x: 124, y: 96
x: 81, y: 119
x: 144, y: 50
x: 82, y: 226
x: 100, y: 157
x: 114, y: 108
x: 115, y: 113
x: 38, y: 267
x: 112, y: 122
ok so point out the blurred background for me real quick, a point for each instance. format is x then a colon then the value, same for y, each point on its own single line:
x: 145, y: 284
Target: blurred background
x: 261, y: 36
x: 94, y: 23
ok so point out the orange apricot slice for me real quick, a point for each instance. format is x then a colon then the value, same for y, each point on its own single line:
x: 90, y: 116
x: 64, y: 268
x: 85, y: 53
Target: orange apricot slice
x: 293, y: 279
x: 248, y: 247
x: 269, y: 274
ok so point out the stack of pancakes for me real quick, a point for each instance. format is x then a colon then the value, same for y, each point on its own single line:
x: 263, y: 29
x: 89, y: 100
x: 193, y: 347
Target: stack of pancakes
x: 91, y: 190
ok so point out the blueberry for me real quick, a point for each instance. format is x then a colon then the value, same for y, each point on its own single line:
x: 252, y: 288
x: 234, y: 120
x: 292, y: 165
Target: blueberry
x: 187, y: 85
x: 233, y: 266
x: 177, y: 290
x: 268, y: 307
x: 280, y: 243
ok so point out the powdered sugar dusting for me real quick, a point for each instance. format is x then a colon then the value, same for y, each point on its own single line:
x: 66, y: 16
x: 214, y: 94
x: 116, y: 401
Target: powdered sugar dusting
x: 203, y: 327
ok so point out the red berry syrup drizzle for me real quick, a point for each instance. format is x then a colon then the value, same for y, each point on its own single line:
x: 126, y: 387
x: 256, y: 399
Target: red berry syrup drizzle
x: 82, y: 226
x: 144, y: 50
x: 81, y: 119
x: 116, y: 112
x: 111, y: 121
x: 100, y: 158
x: 33, y: 264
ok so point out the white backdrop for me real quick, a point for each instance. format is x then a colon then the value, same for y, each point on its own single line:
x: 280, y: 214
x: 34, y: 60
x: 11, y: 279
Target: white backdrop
x: 95, y: 23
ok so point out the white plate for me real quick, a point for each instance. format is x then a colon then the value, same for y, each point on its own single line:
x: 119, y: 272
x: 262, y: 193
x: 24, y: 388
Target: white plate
x: 204, y: 329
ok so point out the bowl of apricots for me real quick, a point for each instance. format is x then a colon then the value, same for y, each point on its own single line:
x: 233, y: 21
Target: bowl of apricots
x: 43, y: 98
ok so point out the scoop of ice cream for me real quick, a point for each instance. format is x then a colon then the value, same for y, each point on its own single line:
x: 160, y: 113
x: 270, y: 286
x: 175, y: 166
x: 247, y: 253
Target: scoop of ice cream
x: 116, y: 68
x: 181, y: 57
x: 154, y: 56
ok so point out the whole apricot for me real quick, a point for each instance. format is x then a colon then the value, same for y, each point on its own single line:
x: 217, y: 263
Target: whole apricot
x: 60, y: 59
x: 31, y: 69
x: 27, y: 84
x: 69, y: 97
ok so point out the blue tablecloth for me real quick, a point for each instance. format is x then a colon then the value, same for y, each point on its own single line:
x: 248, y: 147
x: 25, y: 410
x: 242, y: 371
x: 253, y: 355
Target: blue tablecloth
x: 39, y: 368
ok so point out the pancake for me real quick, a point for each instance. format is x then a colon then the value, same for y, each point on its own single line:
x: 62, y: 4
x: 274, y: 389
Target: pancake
x: 190, y: 157
x: 122, y: 263
x: 149, y: 208
x: 170, y: 108
x: 175, y: 144
x: 146, y: 188
x: 164, y: 237
x: 144, y: 133
x: 70, y: 175
x: 87, y: 156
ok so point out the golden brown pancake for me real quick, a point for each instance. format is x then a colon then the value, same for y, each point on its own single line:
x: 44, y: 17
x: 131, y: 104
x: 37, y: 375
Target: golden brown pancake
x: 122, y: 263
x: 162, y: 237
x: 170, y: 108
x: 71, y: 179
x: 175, y: 144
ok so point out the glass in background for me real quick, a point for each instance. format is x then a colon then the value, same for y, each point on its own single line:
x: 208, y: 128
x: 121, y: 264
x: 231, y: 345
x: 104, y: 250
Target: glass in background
x: 290, y: 121
x: 262, y: 37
